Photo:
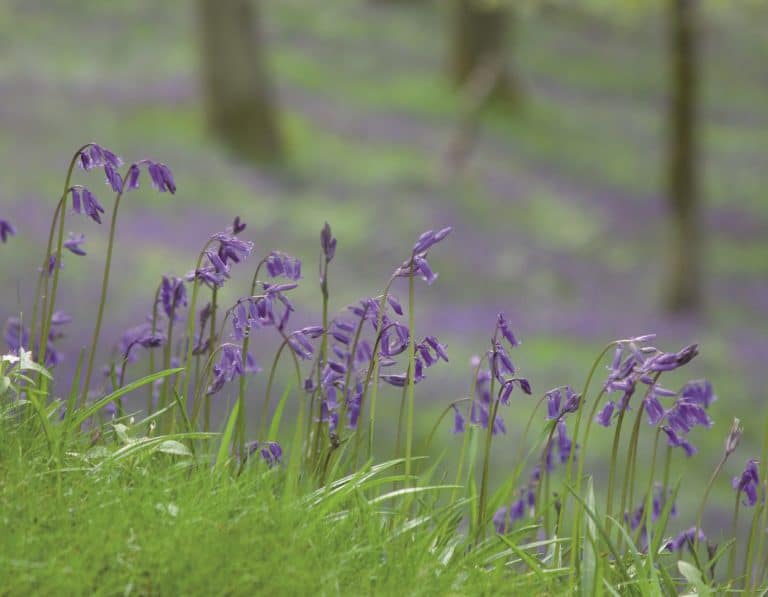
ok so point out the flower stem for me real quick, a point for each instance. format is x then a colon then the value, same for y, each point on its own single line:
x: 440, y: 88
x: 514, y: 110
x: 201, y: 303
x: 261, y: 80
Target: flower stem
x: 102, y: 300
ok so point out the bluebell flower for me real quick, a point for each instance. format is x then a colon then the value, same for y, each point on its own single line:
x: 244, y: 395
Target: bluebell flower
x: 685, y: 538
x: 605, y: 415
x: 73, y: 243
x: 458, y: 420
x: 327, y: 243
x: 748, y: 483
x: 6, y: 230
x: 173, y: 295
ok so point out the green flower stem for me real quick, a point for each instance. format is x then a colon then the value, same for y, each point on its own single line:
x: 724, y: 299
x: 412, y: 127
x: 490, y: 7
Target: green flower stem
x: 734, y: 531
x: 484, y: 476
x: 373, y: 373
x: 42, y: 279
x: 612, y: 467
x: 649, y: 497
x: 411, y: 380
x: 705, y: 496
x: 749, y: 567
x: 467, y: 431
x: 582, y: 451
x: 627, y: 489
x: 348, y: 377
x: 150, y: 398
x: 102, y: 299
x: 758, y: 553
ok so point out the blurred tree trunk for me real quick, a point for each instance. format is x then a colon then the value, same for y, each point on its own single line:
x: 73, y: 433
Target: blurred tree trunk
x: 683, y: 284
x: 239, y: 102
x: 481, y: 29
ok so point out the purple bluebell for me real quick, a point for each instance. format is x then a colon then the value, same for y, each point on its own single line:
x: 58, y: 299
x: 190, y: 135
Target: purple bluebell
x: 564, y: 444
x: 132, y: 180
x: 96, y: 156
x: 506, y: 392
x: 395, y: 304
x: 327, y: 243
x: 458, y: 420
x: 524, y: 384
x: 747, y: 483
x: 501, y: 520
x: 162, y: 178
x: 139, y: 336
x: 675, y: 440
x: 685, y: 538
x: 480, y: 415
x: 506, y: 331
x: 114, y: 179
x: 6, y: 230
x: 73, y: 243
x: 699, y: 392
x: 270, y: 452
x: 173, y: 295
x: 230, y: 366
x: 669, y: 361
x: 429, y: 238
x: 605, y: 415
x: 501, y: 364
x: 83, y: 201
x: 653, y: 408
x: 280, y: 264
x: 16, y: 335
x: 238, y: 225
x: 440, y: 349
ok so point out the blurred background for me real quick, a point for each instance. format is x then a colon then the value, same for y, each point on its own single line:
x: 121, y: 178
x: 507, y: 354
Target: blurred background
x: 603, y: 165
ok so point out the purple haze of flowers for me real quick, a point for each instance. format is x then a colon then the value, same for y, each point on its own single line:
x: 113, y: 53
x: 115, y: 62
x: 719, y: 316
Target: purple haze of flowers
x: 73, y: 243
x: 6, y: 230
x: 747, y: 483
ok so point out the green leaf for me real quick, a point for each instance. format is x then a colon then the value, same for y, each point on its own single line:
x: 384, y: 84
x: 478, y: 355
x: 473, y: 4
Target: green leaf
x: 171, y: 446
x: 26, y: 363
x: 223, y: 454
x: 88, y: 412
x: 589, y: 563
x: 693, y: 576
x: 274, y: 426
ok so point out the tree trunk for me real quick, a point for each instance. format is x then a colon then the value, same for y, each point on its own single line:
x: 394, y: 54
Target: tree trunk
x: 479, y: 41
x: 239, y: 102
x: 683, y: 284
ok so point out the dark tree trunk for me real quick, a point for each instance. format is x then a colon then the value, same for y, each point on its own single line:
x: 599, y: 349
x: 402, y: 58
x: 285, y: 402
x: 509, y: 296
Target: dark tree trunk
x: 239, y: 102
x: 683, y: 283
x: 480, y: 35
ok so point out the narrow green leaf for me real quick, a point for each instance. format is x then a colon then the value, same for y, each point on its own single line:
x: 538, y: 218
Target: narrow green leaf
x: 223, y: 454
x: 91, y: 410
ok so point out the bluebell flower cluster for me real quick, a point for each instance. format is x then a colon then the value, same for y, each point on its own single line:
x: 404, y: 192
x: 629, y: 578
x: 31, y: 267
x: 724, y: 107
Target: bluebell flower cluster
x: 636, y: 363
